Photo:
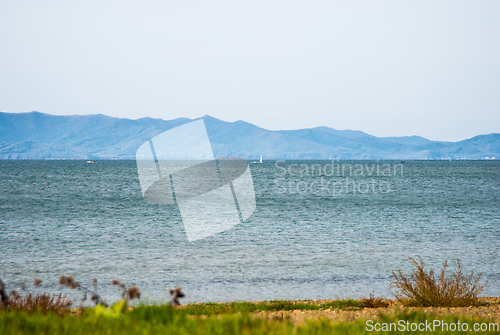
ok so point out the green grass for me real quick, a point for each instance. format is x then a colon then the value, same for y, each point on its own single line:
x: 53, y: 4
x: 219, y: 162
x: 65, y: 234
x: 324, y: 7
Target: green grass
x: 278, y: 305
x: 147, y: 320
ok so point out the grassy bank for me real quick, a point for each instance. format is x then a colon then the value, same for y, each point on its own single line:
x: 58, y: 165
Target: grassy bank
x: 235, y: 318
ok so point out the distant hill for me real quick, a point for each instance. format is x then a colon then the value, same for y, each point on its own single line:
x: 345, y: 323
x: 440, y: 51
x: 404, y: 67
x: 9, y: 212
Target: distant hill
x: 36, y: 135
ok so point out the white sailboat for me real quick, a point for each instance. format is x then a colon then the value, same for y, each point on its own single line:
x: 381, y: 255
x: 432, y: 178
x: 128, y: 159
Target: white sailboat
x: 260, y: 161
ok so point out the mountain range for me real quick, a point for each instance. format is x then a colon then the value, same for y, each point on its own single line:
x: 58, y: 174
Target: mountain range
x: 36, y: 135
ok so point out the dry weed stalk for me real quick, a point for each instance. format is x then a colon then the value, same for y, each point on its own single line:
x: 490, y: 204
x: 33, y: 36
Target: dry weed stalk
x: 70, y: 282
x: 373, y: 302
x: 129, y: 293
x: 422, y: 289
x: 40, y: 302
x: 4, y: 297
x: 176, y: 293
x: 31, y: 303
x: 58, y: 304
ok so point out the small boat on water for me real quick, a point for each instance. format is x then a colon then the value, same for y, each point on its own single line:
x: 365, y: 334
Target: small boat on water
x: 91, y: 162
x: 260, y: 162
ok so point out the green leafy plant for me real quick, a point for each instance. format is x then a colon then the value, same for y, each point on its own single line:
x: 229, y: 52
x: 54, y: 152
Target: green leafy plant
x: 118, y: 308
x: 423, y: 289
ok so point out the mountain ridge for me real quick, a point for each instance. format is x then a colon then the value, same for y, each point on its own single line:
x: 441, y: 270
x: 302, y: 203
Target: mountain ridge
x: 36, y: 135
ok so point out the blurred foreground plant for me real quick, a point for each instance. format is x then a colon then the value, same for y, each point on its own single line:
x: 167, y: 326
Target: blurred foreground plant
x: 128, y: 293
x: 70, y: 282
x: 33, y: 303
x: 59, y: 303
x: 40, y: 302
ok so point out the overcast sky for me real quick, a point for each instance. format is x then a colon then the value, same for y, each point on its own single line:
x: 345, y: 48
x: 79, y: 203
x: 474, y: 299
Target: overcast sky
x: 389, y: 68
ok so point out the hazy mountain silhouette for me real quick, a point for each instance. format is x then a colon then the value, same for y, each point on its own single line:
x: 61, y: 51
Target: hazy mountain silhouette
x: 36, y: 135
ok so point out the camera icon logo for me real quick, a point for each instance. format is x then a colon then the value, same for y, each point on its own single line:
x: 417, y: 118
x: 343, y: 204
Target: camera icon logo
x: 178, y: 167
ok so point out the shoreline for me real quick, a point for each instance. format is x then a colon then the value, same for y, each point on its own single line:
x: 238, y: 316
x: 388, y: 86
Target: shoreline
x: 489, y: 310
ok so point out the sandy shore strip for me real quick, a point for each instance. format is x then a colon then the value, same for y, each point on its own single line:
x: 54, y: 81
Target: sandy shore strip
x: 489, y: 312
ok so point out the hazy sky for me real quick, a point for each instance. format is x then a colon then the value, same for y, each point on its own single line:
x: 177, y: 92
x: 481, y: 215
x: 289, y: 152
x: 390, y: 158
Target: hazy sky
x: 389, y: 68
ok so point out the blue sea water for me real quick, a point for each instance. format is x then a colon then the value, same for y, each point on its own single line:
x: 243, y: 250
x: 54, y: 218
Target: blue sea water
x: 321, y: 229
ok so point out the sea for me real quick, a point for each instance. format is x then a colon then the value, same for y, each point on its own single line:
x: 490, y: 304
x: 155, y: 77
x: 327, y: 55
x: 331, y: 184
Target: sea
x: 320, y: 230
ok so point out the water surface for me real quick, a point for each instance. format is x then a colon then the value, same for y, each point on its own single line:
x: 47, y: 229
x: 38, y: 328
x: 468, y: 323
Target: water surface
x: 309, y: 237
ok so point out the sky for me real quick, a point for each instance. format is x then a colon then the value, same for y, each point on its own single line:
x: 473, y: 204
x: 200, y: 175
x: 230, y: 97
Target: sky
x: 388, y: 68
